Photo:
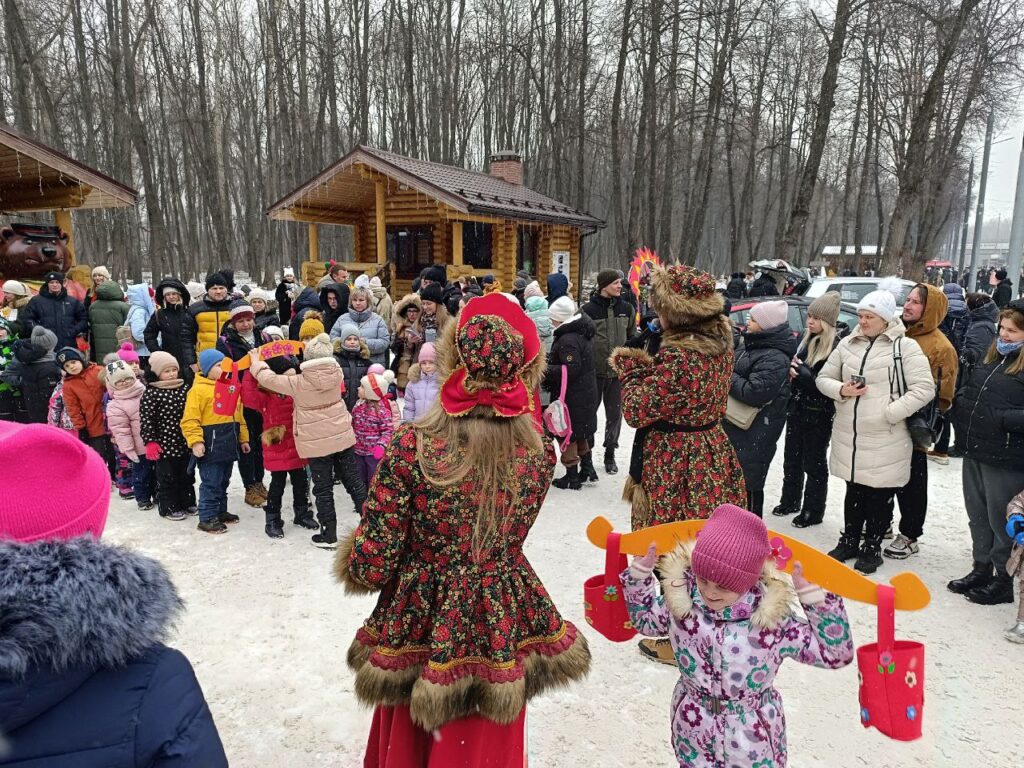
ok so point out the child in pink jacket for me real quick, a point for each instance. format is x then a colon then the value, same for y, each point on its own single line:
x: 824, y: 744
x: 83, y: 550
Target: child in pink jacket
x: 372, y: 422
x: 125, y: 424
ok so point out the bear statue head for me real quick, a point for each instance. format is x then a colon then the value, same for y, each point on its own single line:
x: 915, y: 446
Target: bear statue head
x: 29, y: 251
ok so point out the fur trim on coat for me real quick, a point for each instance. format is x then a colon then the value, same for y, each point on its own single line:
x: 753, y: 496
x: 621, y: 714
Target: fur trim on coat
x: 342, y: 571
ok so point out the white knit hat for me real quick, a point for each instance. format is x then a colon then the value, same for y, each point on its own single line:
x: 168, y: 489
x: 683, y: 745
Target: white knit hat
x: 769, y: 314
x: 561, y: 309
x: 319, y: 346
x: 375, y: 282
x: 881, y: 303
x: 118, y: 371
x: 363, y: 282
x: 375, y: 385
x: 101, y: 270
x: 288, y: 272
x: 259, y: 293
x: 15, y: 288
x: 273, y: 330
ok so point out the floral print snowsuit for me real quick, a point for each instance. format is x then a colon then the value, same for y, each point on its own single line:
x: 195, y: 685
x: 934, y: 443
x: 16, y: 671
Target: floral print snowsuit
x: 726, y: 712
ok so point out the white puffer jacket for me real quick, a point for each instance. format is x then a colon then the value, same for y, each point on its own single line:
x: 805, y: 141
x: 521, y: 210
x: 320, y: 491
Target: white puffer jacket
x: 871, y: 444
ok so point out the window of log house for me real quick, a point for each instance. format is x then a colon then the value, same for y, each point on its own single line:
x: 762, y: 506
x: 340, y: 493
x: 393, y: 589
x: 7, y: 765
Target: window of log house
x: 477, y: 250
x: 410, y: 249
x: 527, y: 248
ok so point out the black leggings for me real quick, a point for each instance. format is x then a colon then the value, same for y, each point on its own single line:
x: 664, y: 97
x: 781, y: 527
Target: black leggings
x: 322, y: 469
x: 175, y: 490
x: 300, y: 493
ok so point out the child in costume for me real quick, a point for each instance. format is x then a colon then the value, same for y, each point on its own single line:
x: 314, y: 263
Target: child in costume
x: 161, y: 411
x: 421, y: 391
x: 729, y: 617
x: 463, y: 633
x: 214, y: 440
x: 373, y: 422
x: 125, y: 392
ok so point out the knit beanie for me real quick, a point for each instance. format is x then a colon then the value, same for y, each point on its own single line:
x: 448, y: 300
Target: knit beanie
x: 310, y: 327
x: 318, y: 346
x: 209, y: 358
x: 606, y: 277
x: 375, y: 283
x: 36, y: 454
x: 731, y: 549
x: 101, y: 270
x: 43, y: 338
x: 519, y: 284
x: 428, y: 353
x: 532, y: 290
x: 362, y: 282
x: 216, y: 278
x: 562, y: 309
x: 825, y: 308
x: 348, y: 329
x: 287, y: 272
x: 240, y: 311
x: 769, y: 314
x: 376, y: 368
x: 435, y: 274
x: 127, y: 353
x: 375, y: 385
x: 69, y: 355
x: 161, y: 361
x: 536, y: 304
x: 273, y: 332
x: 117, y: 371
x: 881, y: 303
x: 15, y: 288
x: 432, y: 292
x: 51, y: 276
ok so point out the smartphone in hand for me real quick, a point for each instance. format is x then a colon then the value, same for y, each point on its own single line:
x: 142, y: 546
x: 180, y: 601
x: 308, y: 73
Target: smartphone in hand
x: 858, y: 381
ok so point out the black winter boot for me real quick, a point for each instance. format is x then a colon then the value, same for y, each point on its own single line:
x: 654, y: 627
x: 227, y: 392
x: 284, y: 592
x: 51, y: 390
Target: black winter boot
x: 570, y: 480
x: 870, y: 556
x: 996, y: 592
x: 847, y: 548
x: 274, y: 527
x: 781, y: 511
x: 587, y: 472
x: 327, y: 538
x: 609, y: 461
x: 304, y: 519
x: 807, y: 518
x: 980, y: 576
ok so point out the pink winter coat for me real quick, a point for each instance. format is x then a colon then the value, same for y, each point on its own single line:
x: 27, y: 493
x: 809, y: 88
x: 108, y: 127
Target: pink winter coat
x: 124, y: 421
x: 321, y: 422
x: 278, y: 439
x: 373, y: 424
x: 420, y: 393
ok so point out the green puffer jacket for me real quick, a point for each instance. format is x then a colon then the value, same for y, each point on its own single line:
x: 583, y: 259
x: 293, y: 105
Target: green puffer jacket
x: 106, y: 312
x: 615, y: 321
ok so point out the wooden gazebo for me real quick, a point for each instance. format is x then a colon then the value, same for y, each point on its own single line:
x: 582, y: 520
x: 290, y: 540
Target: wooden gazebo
x: 407, y: 214
x: 35, y: 177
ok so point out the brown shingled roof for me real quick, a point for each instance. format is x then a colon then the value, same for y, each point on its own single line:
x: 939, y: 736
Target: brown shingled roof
x: 465, y: 190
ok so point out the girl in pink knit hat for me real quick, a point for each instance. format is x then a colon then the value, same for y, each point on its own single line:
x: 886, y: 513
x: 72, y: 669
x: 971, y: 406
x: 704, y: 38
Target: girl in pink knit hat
x: 728, y: 615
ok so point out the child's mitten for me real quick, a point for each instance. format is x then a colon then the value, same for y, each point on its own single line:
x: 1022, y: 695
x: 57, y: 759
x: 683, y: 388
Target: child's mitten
x: 153, y: 451
x: 641, y: 567
x: 378, y: 452
x: 809, y: 594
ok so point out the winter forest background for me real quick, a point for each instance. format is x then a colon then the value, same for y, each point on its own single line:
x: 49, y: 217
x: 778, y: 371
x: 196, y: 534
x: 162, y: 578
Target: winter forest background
x: 716, y: 131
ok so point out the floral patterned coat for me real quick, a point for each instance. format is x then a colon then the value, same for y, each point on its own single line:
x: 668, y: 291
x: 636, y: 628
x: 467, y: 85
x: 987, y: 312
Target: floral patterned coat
x: 726, y: 712
x: 451, y: 636
x: 686, y: 466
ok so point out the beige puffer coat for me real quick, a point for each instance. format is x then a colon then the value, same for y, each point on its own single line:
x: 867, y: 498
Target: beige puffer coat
x: 871, y: 444
x: 320, y: 421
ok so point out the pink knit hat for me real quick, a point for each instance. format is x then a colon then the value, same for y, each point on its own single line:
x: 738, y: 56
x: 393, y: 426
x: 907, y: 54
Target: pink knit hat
x: 67, y: 485
x: 731, y: 549
x: 127, y: 353
x: 770, y: 314
x: 427, y: 353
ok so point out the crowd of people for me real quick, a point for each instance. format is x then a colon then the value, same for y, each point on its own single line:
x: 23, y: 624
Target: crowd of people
x: 453, y: 398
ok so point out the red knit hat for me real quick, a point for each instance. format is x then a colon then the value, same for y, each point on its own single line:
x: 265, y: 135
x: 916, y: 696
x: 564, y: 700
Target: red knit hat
x: 731, y: 549
x: 67, y: 485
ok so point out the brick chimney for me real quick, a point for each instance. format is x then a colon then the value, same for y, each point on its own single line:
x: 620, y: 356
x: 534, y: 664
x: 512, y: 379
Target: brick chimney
x: 507, y: 165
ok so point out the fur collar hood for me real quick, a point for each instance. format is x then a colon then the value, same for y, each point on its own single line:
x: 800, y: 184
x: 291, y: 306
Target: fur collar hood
x: 79, y: 603
x: 771, y: 599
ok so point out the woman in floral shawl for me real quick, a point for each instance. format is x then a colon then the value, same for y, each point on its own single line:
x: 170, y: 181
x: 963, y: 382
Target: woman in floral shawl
x: 464, y: 632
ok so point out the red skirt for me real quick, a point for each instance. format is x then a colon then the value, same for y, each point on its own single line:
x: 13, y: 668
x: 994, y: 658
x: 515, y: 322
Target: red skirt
x: 470, y: 742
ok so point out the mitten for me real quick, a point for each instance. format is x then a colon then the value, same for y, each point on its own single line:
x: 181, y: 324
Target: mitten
x: 809, y: 594
x: 153, y: 451
x: 641, y: 567
x: 1015, y: 528
x: 378, y: 452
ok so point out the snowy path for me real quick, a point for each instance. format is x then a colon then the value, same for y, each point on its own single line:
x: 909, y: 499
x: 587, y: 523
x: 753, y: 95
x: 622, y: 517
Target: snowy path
x: 267, y: 629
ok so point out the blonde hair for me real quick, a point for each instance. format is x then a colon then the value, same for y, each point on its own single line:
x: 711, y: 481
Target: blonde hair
x: 818, y: 345
x: 357, y: 293
x: 1016, y: 317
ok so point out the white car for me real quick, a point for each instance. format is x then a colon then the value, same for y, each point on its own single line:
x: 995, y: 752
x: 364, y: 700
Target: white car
x: 853, y: 289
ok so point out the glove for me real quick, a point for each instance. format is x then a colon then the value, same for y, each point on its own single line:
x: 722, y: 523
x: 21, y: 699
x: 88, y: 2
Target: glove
x: 1015, y: 528
x: 378, y: 452
x: 641, y: 567
x: 809, y: 594
x: 153, y: 451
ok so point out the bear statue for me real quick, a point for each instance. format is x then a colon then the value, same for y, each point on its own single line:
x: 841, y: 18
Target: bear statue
x: 29, y: 251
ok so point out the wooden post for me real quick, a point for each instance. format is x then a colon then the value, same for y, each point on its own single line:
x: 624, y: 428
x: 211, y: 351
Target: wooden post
x: 382, y: 244
x: 62, y: 218
x: 457, y: 243
x: 314, y: 242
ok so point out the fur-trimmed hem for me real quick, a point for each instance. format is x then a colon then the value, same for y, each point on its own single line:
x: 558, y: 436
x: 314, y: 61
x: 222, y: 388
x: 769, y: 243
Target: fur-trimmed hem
x: 624, y: 358
x: 342, y: 568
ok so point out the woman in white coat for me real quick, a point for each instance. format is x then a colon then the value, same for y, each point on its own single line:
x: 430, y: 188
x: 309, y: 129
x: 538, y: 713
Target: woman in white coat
x: 871, y: 445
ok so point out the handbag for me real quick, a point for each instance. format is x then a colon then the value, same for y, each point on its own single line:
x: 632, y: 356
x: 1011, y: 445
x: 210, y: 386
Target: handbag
x: 891, y: 676
x: 604, y: 604
x: 556, y: 415
x: 924, y: 425
x: 740, y: 414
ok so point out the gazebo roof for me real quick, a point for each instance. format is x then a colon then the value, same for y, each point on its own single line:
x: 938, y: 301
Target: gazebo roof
x: 341, y: 191
x: 35, y: 177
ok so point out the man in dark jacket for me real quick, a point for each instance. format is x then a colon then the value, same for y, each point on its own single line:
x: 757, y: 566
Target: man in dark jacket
x: 85, y: 679
x: 167, y: 328
x: 56, y: 311
x: 764, y: 285
x: 615, y: 324
x: 1003, y: 293
x: 558, y: 286
x: 737, y: 287
x: 284, y: 296
x: 307, y: 302
x: 204, y: 319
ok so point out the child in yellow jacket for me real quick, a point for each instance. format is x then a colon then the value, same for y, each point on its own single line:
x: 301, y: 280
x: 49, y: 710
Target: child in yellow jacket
x: 214, y: 440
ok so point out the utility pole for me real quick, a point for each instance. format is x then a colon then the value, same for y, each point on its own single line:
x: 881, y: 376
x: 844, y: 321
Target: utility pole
x: 1013, y: 258
x: 967, y: 221
x: 979, y: 218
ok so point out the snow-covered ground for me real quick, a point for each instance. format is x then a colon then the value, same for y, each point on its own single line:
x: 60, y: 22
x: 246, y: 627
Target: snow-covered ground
x: 267, y: 628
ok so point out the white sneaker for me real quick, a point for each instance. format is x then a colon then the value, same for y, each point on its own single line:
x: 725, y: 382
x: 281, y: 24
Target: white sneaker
x: 901, y: 548
x: 888, y: 532
x: 1015, y: 634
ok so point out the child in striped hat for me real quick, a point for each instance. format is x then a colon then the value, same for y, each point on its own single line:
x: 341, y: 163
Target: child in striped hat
x: 372, y: 422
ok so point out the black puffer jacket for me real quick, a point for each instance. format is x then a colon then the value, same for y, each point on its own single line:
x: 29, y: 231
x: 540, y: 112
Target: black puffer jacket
x: 166, y: 330
x: 62, y: 314
x: 307, y: 302
x: 573, y: 348
x: 988, y: 413
x: 763, y: 286
x: 737, y: 287
x: 980, y: 334
x: 37, y: 374
x: 806, y: 403
x: 284, y: 301
x: 1003, y: 293
x: 354, y: 365
x: 341, y: 293
x: 761, y: 378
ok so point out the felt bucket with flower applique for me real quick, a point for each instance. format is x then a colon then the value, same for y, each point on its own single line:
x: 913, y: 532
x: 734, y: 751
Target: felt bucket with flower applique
x: 603, y: 602
x: 891, y: 676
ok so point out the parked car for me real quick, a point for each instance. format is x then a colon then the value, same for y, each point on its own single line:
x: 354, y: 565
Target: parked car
x: 797, y: 313
x: 853, y: 289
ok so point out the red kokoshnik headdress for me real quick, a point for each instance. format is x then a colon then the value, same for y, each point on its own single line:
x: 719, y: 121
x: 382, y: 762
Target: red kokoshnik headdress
x: 495, y: 341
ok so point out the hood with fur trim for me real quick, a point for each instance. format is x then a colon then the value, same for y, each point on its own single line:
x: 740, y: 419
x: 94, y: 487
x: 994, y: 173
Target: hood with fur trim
x: 678, y: 311
x: 774, y: 597
x: 409, y: 300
